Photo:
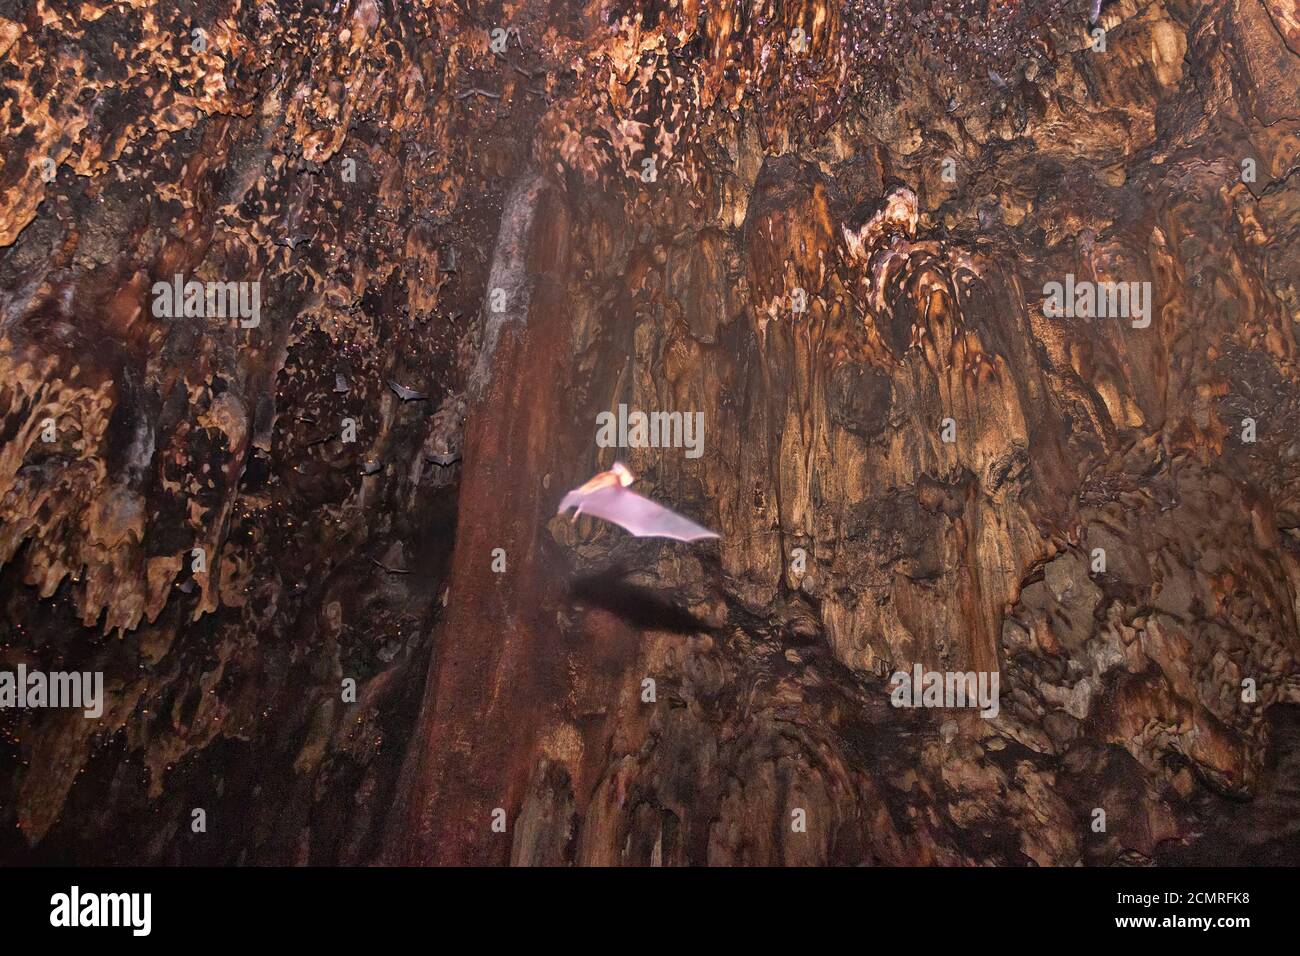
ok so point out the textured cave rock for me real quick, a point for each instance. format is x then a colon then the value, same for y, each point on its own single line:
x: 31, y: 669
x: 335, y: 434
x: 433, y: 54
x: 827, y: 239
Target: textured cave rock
x: 649, y: 186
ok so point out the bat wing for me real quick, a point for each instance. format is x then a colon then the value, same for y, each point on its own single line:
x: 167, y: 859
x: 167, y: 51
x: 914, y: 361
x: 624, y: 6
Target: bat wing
x: 640, y: 516
x: 404, y: 393
x: 571, y: 500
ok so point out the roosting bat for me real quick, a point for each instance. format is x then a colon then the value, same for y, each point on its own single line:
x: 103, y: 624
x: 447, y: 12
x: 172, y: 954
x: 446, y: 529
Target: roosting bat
x: 607, y: 496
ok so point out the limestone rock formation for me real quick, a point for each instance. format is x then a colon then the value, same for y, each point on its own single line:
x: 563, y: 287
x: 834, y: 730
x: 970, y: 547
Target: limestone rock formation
x: 311, y: 543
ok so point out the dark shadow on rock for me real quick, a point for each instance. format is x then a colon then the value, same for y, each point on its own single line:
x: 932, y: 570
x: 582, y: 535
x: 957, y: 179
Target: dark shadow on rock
x: 643, y: 607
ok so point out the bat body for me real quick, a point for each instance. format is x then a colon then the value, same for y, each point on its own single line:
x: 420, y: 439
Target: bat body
x: 607, y: 496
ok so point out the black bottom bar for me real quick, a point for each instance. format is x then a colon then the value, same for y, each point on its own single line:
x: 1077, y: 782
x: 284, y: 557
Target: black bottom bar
x: 366, y: 905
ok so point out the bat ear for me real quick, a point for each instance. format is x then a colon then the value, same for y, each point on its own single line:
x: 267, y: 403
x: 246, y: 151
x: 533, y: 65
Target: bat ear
x: 625, y: 476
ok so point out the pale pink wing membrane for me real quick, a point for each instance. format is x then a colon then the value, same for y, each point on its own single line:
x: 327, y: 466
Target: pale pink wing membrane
x: 639, y: 516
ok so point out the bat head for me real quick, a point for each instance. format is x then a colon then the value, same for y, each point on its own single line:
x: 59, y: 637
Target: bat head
x: 625, y: 477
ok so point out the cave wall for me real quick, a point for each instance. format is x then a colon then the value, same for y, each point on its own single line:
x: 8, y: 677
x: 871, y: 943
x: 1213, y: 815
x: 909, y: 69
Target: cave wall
x: 286, y: 152
x: 773, y: 166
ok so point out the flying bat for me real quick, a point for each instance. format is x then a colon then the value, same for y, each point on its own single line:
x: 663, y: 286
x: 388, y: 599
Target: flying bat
x: 404, y: 393
x: 607, y: 496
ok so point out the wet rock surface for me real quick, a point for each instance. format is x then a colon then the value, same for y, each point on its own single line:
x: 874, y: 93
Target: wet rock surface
x: 316, y: 556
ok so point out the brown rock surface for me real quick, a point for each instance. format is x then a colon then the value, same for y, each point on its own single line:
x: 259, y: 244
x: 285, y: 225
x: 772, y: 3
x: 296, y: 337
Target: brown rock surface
x: 654, y: 190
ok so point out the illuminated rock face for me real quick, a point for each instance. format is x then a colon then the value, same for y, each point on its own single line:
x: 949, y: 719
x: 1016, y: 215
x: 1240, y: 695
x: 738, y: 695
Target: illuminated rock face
x: 316, y: 557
